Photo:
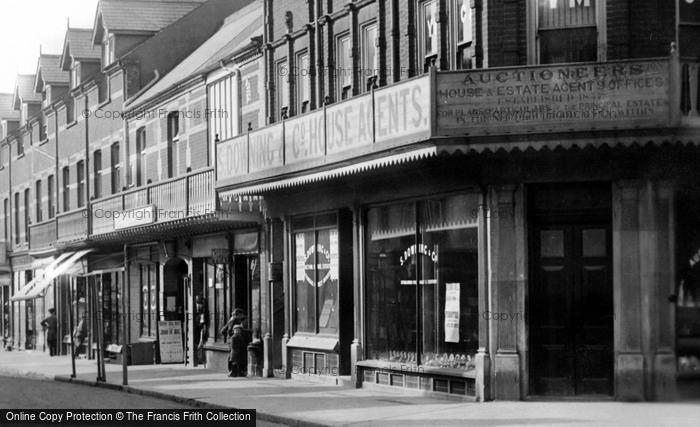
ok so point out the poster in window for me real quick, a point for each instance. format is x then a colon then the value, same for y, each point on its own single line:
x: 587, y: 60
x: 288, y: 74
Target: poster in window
x: 452, y: 312
x: 300, y: 257
x: 334, y: 254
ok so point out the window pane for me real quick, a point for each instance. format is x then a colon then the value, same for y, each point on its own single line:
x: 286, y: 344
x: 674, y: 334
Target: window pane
x: 306, y: 279
x: 369, y: 45
x: 570, y: 45
x: 327, y: 280
x: 448, y: 254
x: 464, y: 21
x: 391, y: 296
x: 594, y: 242
x: 552, y: 243
x: 429, y: 26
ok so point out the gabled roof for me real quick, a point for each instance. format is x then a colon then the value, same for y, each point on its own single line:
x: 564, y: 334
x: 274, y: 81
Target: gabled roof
x: 6, y: 110
x: 234, y: 34
x: 78, y: 45
x: 24, y: 90
x: 48, y: 71
x: 139, y: 15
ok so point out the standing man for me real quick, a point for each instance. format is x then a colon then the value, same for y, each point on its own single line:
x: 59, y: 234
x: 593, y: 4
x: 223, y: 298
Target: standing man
x: 50, y: 325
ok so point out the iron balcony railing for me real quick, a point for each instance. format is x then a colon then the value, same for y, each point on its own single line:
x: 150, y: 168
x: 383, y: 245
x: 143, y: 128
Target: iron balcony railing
x: 177, y: 198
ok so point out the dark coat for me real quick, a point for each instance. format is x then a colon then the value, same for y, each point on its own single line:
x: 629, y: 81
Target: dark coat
x: 51, y: 325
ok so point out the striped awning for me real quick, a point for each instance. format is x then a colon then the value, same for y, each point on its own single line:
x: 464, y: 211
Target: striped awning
x: 368, y: 165
x: 59, y: 266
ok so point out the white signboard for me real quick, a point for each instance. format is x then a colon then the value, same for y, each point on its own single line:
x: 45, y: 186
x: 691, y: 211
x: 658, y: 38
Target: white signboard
x: 135, y: 217
x: 452, y: 312
x: 349, y: 125
x: 402, y: 111
x: 170, y: 334
x: 232, y: 158
x: 304, y: 137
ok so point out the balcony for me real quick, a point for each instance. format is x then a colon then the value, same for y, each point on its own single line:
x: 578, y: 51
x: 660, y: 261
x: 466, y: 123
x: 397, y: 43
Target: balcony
x: 175, y: 199
x: 444, y: 111
x: 72, y: 226
x: 42, y: 236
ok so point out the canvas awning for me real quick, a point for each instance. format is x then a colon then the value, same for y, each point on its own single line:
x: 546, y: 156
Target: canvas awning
x: 59, y: 266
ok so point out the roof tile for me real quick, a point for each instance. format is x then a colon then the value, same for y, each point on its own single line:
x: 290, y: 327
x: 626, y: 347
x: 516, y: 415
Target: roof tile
x: 139, y: 15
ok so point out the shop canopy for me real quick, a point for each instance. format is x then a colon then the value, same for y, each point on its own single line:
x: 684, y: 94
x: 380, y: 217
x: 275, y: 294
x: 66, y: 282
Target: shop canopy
x: 254, y: 191
x: 59, y: 266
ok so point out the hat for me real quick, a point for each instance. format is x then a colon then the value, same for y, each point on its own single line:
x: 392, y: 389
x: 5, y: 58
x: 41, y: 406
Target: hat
x: 52, y: 310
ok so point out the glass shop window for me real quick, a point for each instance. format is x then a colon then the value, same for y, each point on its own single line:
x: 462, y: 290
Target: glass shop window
x: 316, y: 255
x: 423, y: 255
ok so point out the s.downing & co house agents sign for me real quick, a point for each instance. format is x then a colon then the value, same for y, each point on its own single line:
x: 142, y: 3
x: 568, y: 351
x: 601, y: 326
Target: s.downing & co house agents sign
x: 554, y: 98
x: 392, y: 116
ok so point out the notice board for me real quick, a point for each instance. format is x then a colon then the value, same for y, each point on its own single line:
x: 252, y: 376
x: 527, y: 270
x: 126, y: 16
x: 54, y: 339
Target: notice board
x: 170, y: 334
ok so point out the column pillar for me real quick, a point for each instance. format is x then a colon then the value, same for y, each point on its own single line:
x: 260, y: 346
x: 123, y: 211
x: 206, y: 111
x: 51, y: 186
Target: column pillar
x: 643, y: 279
x: 508, y: 282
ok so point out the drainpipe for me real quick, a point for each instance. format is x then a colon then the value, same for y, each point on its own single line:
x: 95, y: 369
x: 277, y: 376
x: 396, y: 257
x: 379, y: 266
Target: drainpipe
x: 319, y: 55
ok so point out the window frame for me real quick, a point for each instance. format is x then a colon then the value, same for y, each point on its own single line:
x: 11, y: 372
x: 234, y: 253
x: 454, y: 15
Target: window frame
x: 38, y: 201
x: 27, y: 214
x: 50, y: 188
x: 282, y: 88
x: 140, y: 156
x: 6, y: 219
x: 461, y: 46
x: 315, y: 228
x: 424, y: 56
x: 80, y: 181
x: 303, y: 81
x: 97, y: 173
x: 533, y: 39
x: 344, y: 66
x: 115, y: 167
x: 418, y: 220
x: 149, y: 313
x: 16, y: 213
x: 368, y: 62
x: 173, y: 127
x: 66, y: 189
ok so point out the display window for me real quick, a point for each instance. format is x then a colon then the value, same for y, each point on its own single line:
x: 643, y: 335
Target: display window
x: 421, y: 282
x: 316, y: 255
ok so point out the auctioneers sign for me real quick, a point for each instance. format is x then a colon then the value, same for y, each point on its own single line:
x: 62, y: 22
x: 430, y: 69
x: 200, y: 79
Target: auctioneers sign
x: 553, y: 98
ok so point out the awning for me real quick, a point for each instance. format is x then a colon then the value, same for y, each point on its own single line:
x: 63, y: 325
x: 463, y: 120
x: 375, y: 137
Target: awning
x: 394, y: 159
x: 59, y: 266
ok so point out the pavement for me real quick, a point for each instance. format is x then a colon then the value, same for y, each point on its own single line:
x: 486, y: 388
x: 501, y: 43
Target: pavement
x: 303, y: 401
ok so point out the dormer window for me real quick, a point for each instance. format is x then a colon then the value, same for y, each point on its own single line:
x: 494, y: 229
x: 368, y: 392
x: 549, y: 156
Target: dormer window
x: 108, y: 50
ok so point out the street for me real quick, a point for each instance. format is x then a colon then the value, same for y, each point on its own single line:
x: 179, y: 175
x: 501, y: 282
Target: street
x: 25, y: 393
x: 40, y: 394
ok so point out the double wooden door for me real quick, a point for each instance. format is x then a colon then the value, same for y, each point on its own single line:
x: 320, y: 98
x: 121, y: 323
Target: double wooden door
x: 571, y: 309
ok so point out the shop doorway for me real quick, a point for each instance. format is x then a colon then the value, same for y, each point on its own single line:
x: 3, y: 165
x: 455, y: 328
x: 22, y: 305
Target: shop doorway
x: 174, y: 275
x: 571, y: 292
